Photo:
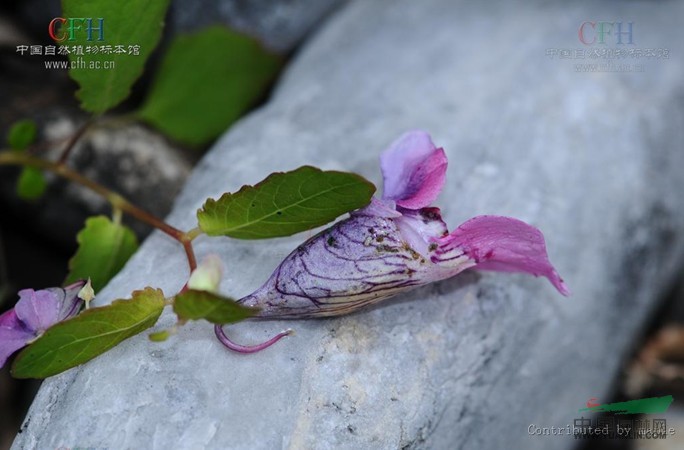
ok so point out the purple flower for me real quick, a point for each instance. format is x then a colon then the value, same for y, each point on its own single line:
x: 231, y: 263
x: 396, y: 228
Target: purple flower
x: 35, y: 312
x: 395, y: 244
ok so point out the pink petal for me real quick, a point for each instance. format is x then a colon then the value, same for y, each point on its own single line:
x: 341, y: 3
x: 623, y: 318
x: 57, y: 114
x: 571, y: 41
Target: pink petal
x: 504, y: 244
x: 39, y: 310
x: 413, y: 170
x: 13, y: 335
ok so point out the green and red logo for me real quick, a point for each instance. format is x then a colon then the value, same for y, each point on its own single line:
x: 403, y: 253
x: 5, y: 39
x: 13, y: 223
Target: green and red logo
x: 652, y: 405
x: 70, y: 27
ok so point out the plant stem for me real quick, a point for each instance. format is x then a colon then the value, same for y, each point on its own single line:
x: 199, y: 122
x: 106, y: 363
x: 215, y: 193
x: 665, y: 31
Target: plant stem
x: 43, y: 145
x: 192, y: 234
x: 116, y: 200
x: 73, y: 140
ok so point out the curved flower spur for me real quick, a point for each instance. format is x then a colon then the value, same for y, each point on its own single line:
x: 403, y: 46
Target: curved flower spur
x: 392, y: 245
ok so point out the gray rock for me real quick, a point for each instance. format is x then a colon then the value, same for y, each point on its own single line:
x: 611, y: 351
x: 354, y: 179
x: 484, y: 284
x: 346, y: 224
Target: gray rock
x: 593, y: 159
x: 279, y: 24
x: 134, y: 161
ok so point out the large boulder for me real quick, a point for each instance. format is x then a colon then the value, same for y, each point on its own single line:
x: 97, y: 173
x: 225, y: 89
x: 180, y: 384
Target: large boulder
x: 279, y: 24
x: 593, y: 159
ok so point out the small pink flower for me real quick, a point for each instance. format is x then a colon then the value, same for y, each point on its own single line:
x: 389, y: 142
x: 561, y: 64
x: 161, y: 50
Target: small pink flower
x: 34, y: 313
x: 397, y: 243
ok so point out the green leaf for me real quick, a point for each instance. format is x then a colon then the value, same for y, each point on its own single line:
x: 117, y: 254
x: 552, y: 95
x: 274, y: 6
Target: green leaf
x: 105, y: 80
x: 22, y: 134
x: 285, y: 204
x: 31, y: 184
x: 159, y: 336
x: 206, y: 81
x: 91, y: 333
x: 104, y: 248
x: 196, y: 305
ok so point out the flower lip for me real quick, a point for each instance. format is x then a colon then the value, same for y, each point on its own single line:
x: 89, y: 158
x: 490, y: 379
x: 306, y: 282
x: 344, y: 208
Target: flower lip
x: 504, y: 244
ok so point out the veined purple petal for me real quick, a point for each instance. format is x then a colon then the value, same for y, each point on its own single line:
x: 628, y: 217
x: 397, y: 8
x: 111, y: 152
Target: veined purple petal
x: 355, y: 263
x: 502, y: 244
x: 13, y: 335
x: 38, y: 310
x: 414, y: 170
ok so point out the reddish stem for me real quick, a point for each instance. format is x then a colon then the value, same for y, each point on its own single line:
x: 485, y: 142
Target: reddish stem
x: 221, y: 335
x: 72, y: 142
x: 117, y: 201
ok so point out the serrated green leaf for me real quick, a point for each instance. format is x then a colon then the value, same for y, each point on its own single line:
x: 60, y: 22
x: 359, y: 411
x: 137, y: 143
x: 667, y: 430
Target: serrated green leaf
x: 22, y: 134
x: 104, y: 247
x: 285, y: 203
x: 31, y: 184
x: 105, y: 80
x: 91, y: 333
x: 196, y: 305
x: 206, y: 81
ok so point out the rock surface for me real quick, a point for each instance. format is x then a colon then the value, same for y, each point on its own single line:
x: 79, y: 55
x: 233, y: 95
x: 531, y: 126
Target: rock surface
x: 279, y: 24
x: 593, y: 159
